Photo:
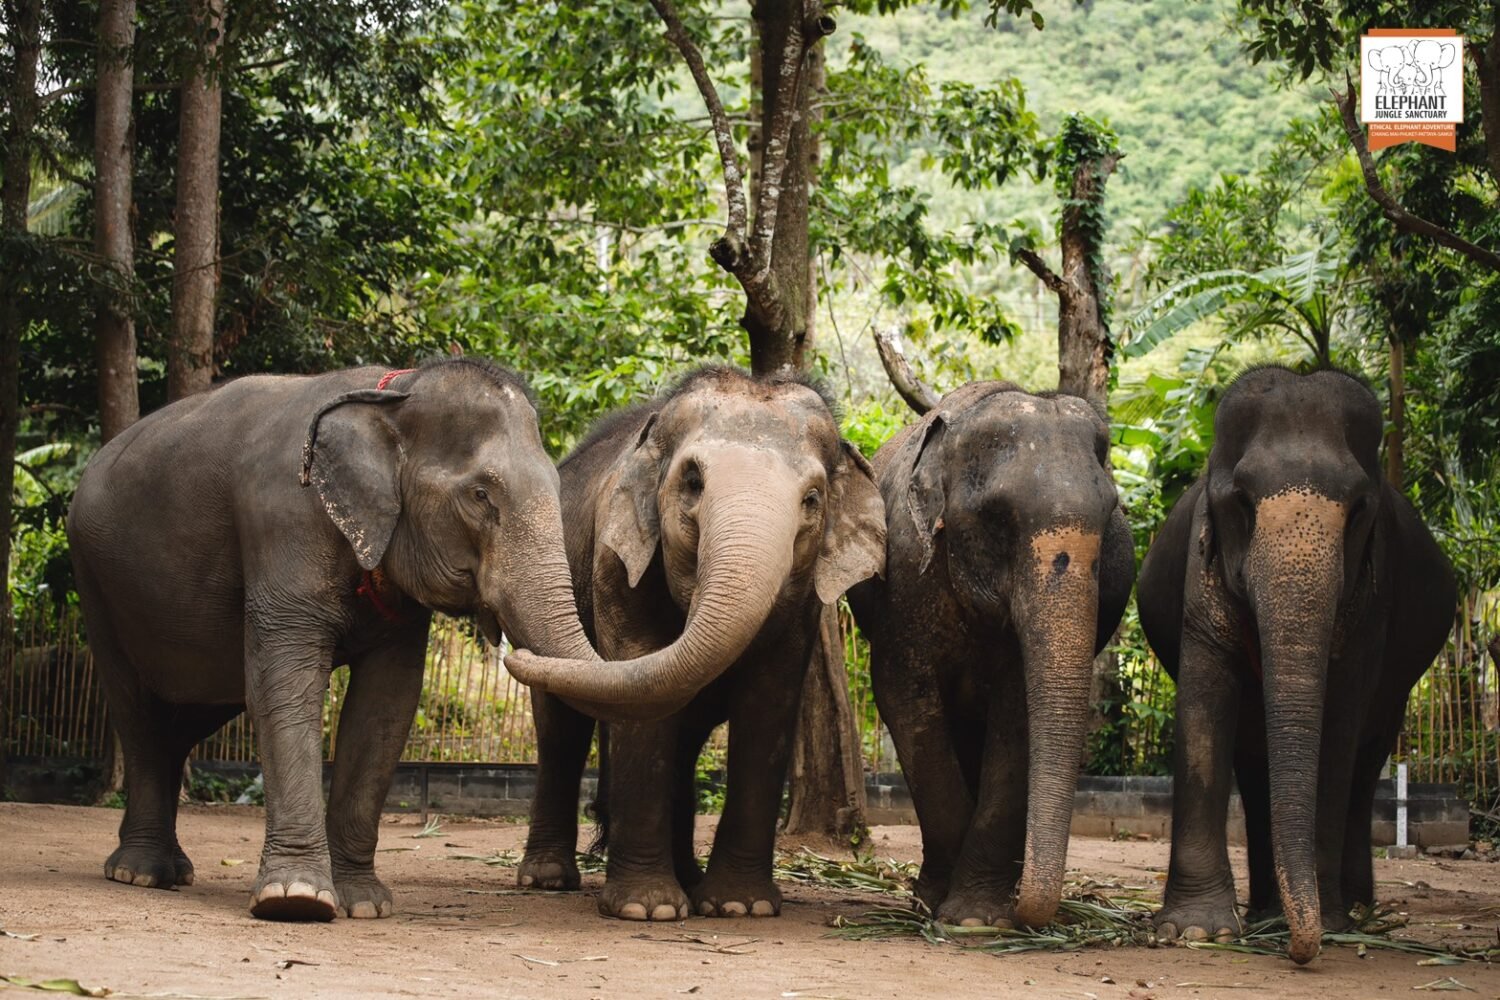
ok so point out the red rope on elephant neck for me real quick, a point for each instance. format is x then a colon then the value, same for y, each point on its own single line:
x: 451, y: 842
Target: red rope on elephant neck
x: 385, y: 380
x: 369, y: 589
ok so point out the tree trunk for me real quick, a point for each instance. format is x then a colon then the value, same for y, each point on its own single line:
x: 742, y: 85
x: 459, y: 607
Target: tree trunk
x: 827, y: 787
x: 24, y: 27
x: 114, y: 244
x: 195, y: 277
x: 778, y: 337
x: 1395, y: 438
x: 1084, y: 347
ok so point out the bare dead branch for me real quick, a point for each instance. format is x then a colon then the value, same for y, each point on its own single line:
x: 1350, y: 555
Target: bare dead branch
x: 1393, y: 209
x: 918, y: 395
x: 729, y: 249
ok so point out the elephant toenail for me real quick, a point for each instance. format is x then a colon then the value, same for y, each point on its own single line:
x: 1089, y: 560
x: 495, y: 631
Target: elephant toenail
x: 734, y: 908
x: 762, y: 908
x: 302, y: 889
x: 1195, y: 934
x: 971, y: 922
x: 632, y: 911
x: 682, y: 912
x: 1166, y: 931
x: 664, y: 911
x: 385, y: 908
x: 706, y: 908
x: 1224, y: 935
x: 1003, y: 923
x: 363, y: 910
x: 527, y: 880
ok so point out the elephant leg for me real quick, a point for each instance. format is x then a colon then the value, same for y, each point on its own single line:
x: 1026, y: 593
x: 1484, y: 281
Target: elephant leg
x: 989, y: 863
x: 640, y: 881
x: 563, y: 735
x: 1253, y: 774
x: 1199, y: 901
x: 286, y: 680
x: 1346, y: 710
x: 910, y: 702
x: 1357, y: 871
x: 690, y: 742
x: 762, y: 724
x: 385, y: 684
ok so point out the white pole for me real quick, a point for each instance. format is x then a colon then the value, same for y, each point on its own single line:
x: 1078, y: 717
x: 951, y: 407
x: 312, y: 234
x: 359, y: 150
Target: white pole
x: 1401, y: 805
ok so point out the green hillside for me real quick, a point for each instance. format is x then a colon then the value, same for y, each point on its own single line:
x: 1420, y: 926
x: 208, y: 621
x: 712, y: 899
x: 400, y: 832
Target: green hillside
x: 1168, y: 75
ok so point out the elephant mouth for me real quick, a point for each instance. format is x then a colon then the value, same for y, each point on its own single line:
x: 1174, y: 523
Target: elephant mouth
x: 489, y: 625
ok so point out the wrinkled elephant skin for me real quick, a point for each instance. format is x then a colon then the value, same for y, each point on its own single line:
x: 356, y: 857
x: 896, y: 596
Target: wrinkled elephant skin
x: 1009, y: 564
x: 706, y: 531
x: 213, y: 580
x: 1295, y: 597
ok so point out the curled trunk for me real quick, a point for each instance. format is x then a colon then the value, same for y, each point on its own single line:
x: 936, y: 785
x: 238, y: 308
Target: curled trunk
x: 1294, y: 568
x: 1059, y: 605
x: 744, y: 558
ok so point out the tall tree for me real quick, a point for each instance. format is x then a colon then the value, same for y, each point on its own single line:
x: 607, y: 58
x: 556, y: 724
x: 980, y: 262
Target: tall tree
x: 195, y: 236
x: 114, y: 241
x: 769, y: 254
x: 23, y: 23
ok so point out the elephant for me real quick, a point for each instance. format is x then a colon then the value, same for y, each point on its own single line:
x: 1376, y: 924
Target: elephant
x: 706, y: 531
x: 211, y: 581
x: 1296, y: 597
x: 1008, y: 566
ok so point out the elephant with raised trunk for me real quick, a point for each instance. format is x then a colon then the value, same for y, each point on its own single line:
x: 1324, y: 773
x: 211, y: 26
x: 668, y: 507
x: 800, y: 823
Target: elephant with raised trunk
x: 706, y: 531
x: 1008, y: 566
x: 211, y: 580
x: 1296, y: 597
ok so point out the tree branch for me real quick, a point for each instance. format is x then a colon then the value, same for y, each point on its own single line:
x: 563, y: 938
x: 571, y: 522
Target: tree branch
x: 1038, y: 267
x: 1392, y: 208
x: 918, y: 395
x: 729, y: 249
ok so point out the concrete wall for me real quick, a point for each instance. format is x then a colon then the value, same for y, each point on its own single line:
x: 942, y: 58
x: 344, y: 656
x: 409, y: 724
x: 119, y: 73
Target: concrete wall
x: 1104, y: 807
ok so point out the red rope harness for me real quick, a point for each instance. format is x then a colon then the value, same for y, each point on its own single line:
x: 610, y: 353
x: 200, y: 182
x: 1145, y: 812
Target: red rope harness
x: 385, y: 380
x: 370, y: 583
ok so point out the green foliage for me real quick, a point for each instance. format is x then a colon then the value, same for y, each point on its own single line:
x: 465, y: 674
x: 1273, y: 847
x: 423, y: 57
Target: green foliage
x: 210, y: 786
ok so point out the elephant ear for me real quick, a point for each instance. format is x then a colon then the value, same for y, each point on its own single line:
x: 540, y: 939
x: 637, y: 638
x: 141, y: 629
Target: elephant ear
x: 925, y: 497
x: 632, y: 523
x: 353, y: 456
x: 854, y: 535
x: 1230, y: 527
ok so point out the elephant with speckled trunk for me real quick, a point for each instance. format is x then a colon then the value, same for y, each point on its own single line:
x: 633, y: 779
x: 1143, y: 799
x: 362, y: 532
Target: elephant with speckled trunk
x: 1296, y: 597
x: 1008, y: 566
x: 212, y: 580
x: 706, y: 532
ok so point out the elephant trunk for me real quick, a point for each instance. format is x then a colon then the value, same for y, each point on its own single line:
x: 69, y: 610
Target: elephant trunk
x: 1293, y: 571
x: 1059, y: 604
x: 527, y: 584
x: 744, y: 557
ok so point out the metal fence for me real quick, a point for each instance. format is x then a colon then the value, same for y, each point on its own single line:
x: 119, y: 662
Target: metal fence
x: 471, y: 709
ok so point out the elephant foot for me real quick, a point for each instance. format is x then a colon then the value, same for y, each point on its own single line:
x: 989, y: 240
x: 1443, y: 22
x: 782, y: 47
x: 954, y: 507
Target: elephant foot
x: 1202, y: 919
x: 548, y: 868
x: 362, y: 896
x: 149, y: 867
x: 293, y: 893
x: 735, y: 896
x: 1336, y: 920
x: 979, y: 906
x: 931, y: 888
x: 643, y: 897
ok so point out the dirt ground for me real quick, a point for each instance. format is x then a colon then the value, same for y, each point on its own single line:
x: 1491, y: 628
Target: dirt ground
x: 461, y: 930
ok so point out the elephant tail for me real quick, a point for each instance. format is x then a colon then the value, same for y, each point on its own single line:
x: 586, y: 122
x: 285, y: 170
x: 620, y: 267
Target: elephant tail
x: 598, y: 809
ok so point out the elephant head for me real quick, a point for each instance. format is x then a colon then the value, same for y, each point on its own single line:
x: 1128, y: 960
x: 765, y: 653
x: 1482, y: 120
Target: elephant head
x: 1293, y: 494
x: 1427, y: 56
x: 744, y: 490
x: 1011, y: 497
x: 1388, y: 60
x: 442, y: 483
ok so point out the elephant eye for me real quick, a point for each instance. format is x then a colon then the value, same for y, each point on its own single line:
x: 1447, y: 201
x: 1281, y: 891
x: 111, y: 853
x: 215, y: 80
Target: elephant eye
x: 480, y: 493
x: 811, y: 500
x: 692, y: 478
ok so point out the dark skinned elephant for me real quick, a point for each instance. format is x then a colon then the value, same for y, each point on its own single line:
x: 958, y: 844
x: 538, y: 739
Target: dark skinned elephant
x: 212, y: 581
x: 706, y: 531
x: 1296, y: 598
x: 1008, y: 566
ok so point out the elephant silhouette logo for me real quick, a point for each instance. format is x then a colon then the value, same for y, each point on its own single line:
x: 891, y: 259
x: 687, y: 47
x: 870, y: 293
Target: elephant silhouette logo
x: 1411, y: 78
x: 1412, y: 68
